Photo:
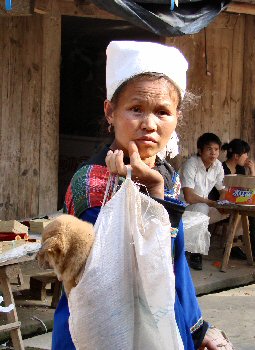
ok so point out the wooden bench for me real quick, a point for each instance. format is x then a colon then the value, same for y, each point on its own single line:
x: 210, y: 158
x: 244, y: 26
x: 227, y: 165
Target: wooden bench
x: 236, y: 210
x: 8, y: 270
x: 38, y: 284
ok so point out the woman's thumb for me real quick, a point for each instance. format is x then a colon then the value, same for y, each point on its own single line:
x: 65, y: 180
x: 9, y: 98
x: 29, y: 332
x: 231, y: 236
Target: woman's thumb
x: 133, y: 151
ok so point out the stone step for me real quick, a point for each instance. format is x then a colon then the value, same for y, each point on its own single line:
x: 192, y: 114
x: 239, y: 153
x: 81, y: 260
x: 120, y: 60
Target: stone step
x: 39, y: 342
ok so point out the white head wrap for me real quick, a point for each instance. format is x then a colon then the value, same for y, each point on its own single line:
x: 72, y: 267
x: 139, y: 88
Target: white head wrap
x: 126, y: 59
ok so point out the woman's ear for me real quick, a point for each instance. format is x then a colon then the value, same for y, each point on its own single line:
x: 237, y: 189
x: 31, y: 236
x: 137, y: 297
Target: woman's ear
x: 108, y: 111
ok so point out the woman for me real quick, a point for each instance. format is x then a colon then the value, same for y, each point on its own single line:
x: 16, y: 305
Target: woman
x: 237, y: 158
x: 238, y: 163
x: 145, y: 86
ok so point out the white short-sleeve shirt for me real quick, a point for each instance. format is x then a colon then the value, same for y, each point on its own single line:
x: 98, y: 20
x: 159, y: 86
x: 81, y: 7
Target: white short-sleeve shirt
x: 194, y: 175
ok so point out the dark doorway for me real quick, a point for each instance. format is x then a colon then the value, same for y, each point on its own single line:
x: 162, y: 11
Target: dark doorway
x: 84, y: 41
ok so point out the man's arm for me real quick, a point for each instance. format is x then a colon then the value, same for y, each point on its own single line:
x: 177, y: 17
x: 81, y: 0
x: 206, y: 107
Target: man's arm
x: 192, y: 198
x: 222, y: 194
x: 219, y: 182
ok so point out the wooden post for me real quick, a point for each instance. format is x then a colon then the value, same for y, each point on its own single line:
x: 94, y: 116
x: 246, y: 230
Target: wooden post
x: 29, y: 165
x: 49, y: 138
x: 246, y: 239
x: 248, y: 110
x: 11, y: 39
x: 233, y: 221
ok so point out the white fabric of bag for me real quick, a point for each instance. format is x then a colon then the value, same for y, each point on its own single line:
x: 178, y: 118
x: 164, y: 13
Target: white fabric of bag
x: 196, y: 234
x: 125, y: 298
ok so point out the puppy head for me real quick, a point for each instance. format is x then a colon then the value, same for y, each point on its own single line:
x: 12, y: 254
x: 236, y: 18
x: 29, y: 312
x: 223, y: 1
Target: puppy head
x: 66, y: 243
x: 51, y: 254
x: 52, y: 243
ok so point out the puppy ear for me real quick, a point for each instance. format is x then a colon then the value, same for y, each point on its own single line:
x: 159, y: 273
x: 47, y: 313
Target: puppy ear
x: 50, y: 247
x: 53, y: 245
x: 50, y: 231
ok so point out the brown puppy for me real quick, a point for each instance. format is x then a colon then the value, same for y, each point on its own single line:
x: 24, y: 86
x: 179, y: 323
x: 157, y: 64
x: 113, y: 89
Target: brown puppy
x: 66, y: 243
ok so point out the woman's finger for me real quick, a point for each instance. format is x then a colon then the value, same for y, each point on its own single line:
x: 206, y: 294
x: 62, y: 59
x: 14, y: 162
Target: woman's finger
x: 133, y: 152
x: 132, y: 147
x: 120, y: 166
x: 138, y: 166
x: 107, y: 158
x: 114, y: 162
x: 110, y: 162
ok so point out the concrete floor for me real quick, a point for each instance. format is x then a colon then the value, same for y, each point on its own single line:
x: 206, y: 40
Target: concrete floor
x: 231, y: 310
x: 211, y: 279
x: 39, y: 342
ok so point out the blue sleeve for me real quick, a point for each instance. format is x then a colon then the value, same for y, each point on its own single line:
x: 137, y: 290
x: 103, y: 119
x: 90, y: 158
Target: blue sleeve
x: 186, y: 300
x: 90, y: 215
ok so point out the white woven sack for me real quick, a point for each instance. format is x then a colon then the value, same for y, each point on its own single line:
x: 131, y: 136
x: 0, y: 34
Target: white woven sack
x: 196, y: 234
x: 125, y: 299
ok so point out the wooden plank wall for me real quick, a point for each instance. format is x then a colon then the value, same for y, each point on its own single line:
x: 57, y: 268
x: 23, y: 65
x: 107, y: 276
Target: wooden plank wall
x: 28, y: 115
x: 248, y: 108
x: 215, y: 58
x: 221, y: 60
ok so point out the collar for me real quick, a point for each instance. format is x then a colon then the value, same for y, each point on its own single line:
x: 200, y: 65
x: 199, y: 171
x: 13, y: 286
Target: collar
x: 201, y: 163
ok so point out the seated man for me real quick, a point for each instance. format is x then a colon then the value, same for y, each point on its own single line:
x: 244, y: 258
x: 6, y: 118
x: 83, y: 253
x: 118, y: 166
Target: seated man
x: 199, y: 174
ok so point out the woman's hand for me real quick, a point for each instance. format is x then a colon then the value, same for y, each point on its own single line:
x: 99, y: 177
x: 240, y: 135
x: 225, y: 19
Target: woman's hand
x: 250, y: 164
x: 208, y: 344
x: 141, y: 172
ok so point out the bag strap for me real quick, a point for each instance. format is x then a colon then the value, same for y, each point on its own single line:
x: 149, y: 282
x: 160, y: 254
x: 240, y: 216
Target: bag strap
x: 113, y: 182
x: 129, y: 172
x: 111, y: 187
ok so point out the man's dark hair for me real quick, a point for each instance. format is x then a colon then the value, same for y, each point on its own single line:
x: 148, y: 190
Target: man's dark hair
x: 206, y: 139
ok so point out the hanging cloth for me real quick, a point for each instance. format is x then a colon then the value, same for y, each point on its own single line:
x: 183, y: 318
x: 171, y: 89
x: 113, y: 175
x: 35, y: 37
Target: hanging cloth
x: 156, y: 15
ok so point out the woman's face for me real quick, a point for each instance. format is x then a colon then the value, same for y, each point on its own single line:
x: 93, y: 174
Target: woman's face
x: 241, y: 159
x: 146, y: 112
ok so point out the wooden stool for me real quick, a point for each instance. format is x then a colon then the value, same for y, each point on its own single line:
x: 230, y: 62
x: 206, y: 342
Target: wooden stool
x: 13, y: 325
x: 233, y: 223
x: 235, y: 210
x: 38, y: 285
x: 220, y: 229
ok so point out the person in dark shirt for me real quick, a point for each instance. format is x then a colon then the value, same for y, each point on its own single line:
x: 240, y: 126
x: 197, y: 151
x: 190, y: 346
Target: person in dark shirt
x: 237, y: 158
x: 238, y: 163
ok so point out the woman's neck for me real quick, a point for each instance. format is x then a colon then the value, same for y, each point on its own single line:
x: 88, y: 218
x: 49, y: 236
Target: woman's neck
x: 231, y: 164
x: 150, y: 161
